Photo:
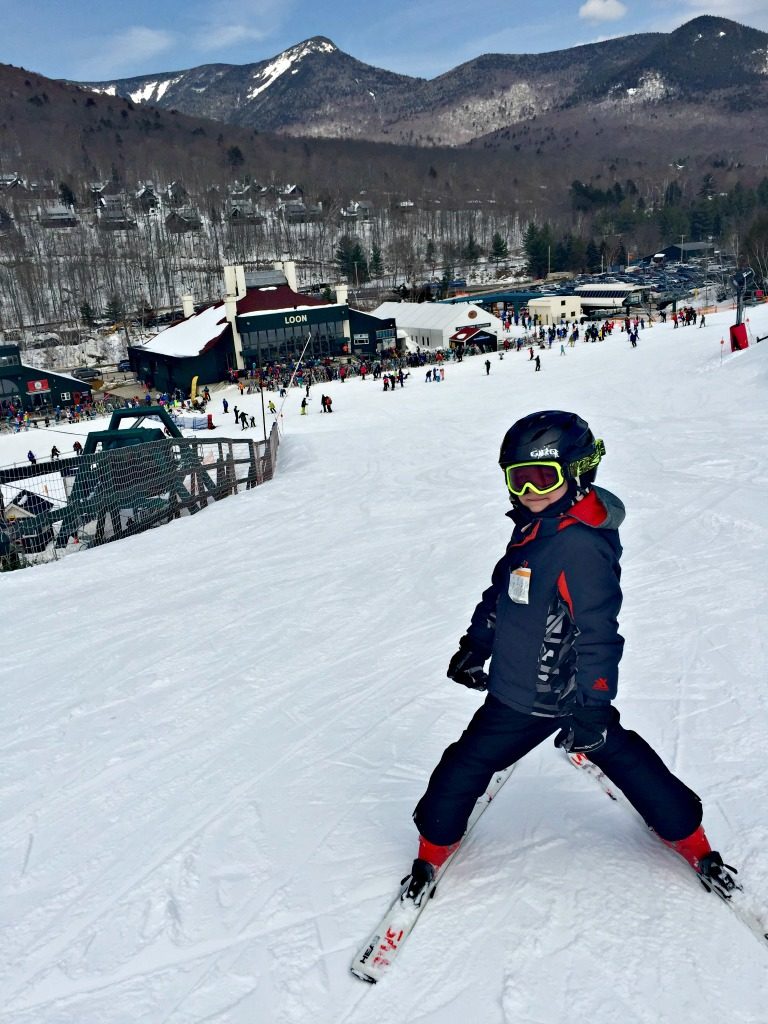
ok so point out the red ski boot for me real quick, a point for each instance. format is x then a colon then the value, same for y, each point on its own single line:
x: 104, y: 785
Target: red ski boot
x: 424, y: 868
x: 706, y: 862
x: 692, y: 848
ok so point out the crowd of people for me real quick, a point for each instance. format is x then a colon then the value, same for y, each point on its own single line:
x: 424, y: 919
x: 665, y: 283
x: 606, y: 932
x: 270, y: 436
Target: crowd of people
x: 392, y: 368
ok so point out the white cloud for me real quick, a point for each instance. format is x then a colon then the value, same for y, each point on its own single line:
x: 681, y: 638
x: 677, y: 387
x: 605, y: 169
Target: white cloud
x: 124, y: 52
x: 602, y: 10
x: 219, y: 37
x: 222, y: 24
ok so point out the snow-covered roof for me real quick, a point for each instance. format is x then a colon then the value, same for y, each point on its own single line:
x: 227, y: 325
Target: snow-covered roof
x: 191, y: 336
x: 30, y: 504
x: 293, y: 309
x: 437, y: 316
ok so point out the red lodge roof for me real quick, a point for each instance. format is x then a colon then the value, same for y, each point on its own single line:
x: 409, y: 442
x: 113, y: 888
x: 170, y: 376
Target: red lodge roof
x: 259, y: 300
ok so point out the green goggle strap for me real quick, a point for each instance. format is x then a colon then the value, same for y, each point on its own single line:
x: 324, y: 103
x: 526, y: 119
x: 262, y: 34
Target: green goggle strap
x: 588, y: 461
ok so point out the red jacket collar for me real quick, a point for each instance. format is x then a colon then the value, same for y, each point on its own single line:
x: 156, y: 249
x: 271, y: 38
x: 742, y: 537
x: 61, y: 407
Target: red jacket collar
x: 590, y: 511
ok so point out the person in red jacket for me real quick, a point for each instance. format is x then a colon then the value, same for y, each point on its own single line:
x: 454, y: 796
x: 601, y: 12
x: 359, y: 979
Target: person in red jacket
x: 549, y: 624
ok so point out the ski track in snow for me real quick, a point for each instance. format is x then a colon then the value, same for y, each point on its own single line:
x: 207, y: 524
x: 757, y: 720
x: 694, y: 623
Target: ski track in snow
x: 215, y: 733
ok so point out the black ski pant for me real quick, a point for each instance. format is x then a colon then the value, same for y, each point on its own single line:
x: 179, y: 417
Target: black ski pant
x: 498, y: 736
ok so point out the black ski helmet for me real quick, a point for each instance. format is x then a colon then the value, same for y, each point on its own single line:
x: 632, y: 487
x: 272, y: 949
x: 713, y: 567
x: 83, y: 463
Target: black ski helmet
x: 554, y: 436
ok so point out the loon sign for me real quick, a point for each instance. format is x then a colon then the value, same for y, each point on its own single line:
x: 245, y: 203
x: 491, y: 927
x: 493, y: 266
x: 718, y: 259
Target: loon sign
x: 256, y: 321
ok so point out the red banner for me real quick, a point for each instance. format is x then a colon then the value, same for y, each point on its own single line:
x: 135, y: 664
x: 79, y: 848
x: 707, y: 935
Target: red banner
x: 738, y: 337
x: 37, y: 385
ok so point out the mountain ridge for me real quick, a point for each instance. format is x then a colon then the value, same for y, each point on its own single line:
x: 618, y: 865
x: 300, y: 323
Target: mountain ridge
x: 314, y: 89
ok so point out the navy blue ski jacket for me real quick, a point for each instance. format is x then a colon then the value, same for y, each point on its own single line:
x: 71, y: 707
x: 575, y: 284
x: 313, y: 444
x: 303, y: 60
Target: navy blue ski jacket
x: 563, y: 646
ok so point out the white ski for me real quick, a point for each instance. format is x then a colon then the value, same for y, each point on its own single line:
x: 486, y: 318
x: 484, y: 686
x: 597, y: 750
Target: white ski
x: 735, y: 899
x: 380, y: 949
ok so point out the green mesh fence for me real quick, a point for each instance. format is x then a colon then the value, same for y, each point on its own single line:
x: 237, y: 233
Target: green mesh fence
x: 60, y: 506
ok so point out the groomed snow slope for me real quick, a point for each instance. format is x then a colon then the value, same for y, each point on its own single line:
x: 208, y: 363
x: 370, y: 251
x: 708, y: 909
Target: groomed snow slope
x: 214, y: 734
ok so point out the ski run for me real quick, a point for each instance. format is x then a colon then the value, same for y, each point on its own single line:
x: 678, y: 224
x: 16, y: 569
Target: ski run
x: 214, y: 734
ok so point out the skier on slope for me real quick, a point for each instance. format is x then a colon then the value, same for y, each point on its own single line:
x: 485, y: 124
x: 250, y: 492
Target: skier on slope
x: 548, y: 622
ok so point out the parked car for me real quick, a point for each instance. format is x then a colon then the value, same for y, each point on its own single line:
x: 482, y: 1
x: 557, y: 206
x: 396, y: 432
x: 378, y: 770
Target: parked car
x: 86, y: 373
x: 124, y: 366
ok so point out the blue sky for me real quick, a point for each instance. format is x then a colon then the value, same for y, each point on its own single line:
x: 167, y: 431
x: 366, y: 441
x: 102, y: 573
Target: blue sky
x: 84, y: 40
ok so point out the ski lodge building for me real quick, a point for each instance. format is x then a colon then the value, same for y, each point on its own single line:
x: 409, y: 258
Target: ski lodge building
x: 262, y: 319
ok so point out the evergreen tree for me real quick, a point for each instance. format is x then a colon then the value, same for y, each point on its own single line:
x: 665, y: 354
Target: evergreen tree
x: 537, y: 246
x: 582, y: 196
x: 592, y: 257
x: 701, y: 217
x: 577, y: 255
x: 359, y: 265
x: 343, y: 257
x: 66, y: 195
x: 707, y: 187
x: 114, y: 311
x: 603, y: 251
x: 673, y: 194
x: 672, y: 222
x: 741, y: 200
x: 626, y: 217
x: 561, y: 254
x: 445, y: 280
x: 499, y: 249
x: 430, y: 255
x: 87, y: 314
x: 376, y: 265
x: 471, y: 252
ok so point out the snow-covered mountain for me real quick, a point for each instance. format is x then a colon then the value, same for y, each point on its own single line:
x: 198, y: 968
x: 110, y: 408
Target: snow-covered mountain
x: 214, y: 733
x: 287, y: 92
x: 314, y: 89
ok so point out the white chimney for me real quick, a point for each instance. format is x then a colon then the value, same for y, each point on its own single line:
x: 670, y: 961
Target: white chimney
x: 188, y: 306
x: 234, y: 281
x: 288, y: 267
x: 230, y: 284
x: 342, y: 293
x: 234, y: 288
x: 240, y: 281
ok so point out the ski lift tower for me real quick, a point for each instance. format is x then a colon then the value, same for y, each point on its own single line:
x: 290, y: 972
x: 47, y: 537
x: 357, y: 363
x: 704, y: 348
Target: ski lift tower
x: 739, y: 283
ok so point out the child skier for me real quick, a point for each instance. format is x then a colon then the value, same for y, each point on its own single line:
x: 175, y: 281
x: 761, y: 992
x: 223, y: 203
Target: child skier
x: 548, y: 622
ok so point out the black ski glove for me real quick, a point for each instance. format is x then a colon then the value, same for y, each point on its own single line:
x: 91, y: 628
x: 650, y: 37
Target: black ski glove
x: 584, y: 731
x: 466, y: 666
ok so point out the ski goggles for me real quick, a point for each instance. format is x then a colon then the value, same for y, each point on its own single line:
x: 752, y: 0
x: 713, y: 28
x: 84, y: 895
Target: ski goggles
x: 539, y: 477
x: 545, y: 477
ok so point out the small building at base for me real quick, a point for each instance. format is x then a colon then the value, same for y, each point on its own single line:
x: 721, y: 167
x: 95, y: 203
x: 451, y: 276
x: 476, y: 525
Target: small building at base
x: 552, y: 309
x: 36, y: 390
x: 435, y: 325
